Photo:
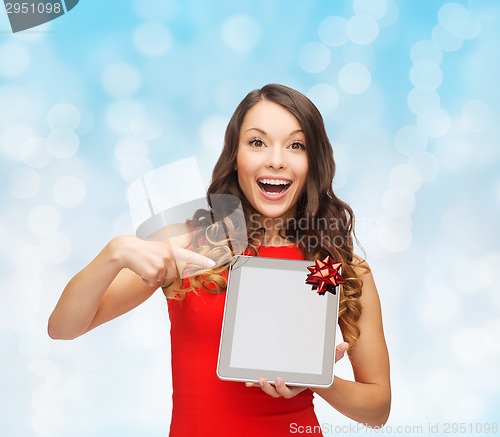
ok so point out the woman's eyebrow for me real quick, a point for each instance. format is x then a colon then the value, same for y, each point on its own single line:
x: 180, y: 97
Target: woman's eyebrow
x: 297, y: 131
x: 257, y: 129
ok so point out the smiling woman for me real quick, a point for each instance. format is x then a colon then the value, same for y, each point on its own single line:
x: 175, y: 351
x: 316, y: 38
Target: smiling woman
x: 272, y: 161
x: 278, y: 161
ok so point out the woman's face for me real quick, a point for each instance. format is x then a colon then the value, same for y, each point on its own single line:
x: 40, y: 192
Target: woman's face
x: 272, y: 160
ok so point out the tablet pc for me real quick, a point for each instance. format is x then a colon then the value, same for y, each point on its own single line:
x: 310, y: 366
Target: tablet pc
x: 275, y: 325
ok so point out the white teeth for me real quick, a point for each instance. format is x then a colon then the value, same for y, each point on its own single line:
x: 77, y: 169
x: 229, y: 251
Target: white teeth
x: 273, y: 181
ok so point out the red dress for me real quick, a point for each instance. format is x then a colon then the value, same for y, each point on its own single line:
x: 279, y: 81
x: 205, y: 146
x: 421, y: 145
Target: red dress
x: 204, y: 405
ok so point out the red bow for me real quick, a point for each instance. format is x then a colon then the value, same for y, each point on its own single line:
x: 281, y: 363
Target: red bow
x: 325, y: 276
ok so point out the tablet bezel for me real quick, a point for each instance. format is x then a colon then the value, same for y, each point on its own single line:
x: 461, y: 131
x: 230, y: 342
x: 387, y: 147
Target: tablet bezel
x: 228, y: 373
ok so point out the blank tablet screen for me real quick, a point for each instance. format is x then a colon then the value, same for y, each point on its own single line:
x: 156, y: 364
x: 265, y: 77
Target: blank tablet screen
x: 267, y: 332
x: 276, y: 325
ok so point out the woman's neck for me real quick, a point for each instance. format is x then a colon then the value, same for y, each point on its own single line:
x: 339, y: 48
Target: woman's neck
x: 270, y: 231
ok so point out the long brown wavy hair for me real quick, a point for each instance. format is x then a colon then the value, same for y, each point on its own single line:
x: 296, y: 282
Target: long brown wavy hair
x: 323, y: 224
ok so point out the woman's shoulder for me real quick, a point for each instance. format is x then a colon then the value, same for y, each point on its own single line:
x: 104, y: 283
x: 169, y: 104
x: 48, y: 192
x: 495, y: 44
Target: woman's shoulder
x: 359, y: 262
x: 361, y: 267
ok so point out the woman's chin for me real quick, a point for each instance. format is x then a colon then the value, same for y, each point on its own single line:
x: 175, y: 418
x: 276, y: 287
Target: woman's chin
x: 276, y: 213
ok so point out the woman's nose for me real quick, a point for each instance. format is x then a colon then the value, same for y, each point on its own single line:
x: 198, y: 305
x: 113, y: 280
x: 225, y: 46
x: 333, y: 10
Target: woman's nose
x: 276, y: 158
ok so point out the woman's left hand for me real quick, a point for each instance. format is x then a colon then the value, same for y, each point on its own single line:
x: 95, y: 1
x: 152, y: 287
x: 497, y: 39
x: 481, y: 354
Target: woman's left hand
x: 280, y: 389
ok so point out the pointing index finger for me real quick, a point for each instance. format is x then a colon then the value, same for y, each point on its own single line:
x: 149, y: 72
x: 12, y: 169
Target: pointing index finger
x: 188, y: 256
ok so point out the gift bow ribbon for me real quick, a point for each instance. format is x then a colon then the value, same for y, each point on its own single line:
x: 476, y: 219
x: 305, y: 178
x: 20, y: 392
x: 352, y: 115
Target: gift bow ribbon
x: 324, y: 276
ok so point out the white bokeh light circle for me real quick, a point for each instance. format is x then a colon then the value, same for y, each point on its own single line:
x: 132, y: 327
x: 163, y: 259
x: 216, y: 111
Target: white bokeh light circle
x: 3, y: 232
x: 241, y: 33
x: 442, y: 306
x: 486, y: 10
x: 477, y: 116
x: 31, y: 291
x: 492, y: 329
x: 44, y: 397
x: 445, y: 393
x: 426, y: 75
x: 134, y: 166
x: 146, y: 127
x: 47, y: 421
x: 121, y: 113
x: 397, y: 201
x: 332, y: 31
x: 155, y: 10
x: 131, y: 146
x: 144, y: 329
x: 445, y: 40
x: 13, y: 102
x: 426, y: 50
x: 28, y: 258
x: 434, y: 121
x: 122, y: 224
x: 86, y: 122
x: 314, y: 57
x: 459, y: 20
x: 24, y: 183
x: 405, y: 177
x: 420, y: 99
x: 63, y: 116
x: 488, y: 273
x: 324, y: 96
x: 43, y: 221
x: 410, y: 140
x: 152, y: 39
x: 394, y: 232
x: 35, y: 346
x: 56, y: 248
x: 354, y: 78
x: 35, y: 153
x: 45, y: 400
x: 374, y: 8
x: 69, y: 191
x: 455, y: 219
x: 24, y: 312
x: 15, y: 59
x: 12, y: 138
x: 63, y: 143
x: 212, y: 132
x: 224, y: 94
x: 357, y: 54
x: 426, y: 164
x: 362, y: 29
x: 484, y: 274
x: 470, y: 335
x: 391, y: 15
x: 121, y: 80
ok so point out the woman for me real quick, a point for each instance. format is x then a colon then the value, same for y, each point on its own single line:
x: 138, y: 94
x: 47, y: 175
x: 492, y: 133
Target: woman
x: 278, y: 160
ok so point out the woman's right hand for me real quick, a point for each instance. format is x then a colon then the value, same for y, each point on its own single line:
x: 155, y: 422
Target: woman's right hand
x: 155, y: 261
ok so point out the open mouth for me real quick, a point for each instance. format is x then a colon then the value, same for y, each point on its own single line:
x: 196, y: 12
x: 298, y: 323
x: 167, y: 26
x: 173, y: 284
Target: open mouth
x: 274, y: 187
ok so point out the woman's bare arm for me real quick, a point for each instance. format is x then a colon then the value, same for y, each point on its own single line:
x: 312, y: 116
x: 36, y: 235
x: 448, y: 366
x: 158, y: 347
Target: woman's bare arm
x: 368, y: 399
x: 123, y: 275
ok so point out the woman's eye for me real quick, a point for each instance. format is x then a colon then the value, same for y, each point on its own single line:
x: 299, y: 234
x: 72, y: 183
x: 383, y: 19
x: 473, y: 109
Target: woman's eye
x: 257, y: 143
x: 297, y: 146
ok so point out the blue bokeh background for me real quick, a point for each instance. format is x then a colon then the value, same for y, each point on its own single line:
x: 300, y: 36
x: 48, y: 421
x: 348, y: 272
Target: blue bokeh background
x: 89, y: 102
